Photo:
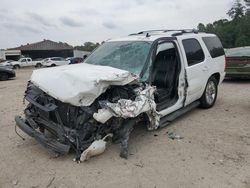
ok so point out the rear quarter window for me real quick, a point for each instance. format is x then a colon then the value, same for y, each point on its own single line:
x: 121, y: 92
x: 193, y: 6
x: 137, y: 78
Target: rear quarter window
x: 214, y: 46
x: 193, y: 50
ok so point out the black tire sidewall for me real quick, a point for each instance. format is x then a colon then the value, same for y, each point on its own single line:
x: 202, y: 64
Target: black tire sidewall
x: 16, y: 67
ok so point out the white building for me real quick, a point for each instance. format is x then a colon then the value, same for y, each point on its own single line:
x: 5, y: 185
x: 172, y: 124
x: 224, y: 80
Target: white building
x: 10, y: 54
x: 79, y: 53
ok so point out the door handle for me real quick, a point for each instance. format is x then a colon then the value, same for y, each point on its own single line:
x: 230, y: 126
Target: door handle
x: 205, y: 69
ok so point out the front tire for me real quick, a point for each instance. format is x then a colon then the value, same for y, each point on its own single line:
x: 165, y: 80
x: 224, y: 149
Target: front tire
x: 16, y: 66
x: 210, y: 94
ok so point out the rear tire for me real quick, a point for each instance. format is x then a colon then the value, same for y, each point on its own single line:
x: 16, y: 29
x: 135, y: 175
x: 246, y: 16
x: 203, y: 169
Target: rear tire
x: 4, y: 76
x: 16, y: 66
x: 210, y: 94
x: 38, y: 65
x: 53, y: 65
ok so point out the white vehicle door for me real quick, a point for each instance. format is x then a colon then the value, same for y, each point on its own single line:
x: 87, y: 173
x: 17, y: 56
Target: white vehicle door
x: 29, y: 62
x: 171, y: 61
x: 62, y: 61
x: 197, y: 70
x: 57, y: 61
x: 23, y: 62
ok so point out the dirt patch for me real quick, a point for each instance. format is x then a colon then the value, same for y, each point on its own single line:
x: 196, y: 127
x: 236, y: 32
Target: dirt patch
x: 214, y: 152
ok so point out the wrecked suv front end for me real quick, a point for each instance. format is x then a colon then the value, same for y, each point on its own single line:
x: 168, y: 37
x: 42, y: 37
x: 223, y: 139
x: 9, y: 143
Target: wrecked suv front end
x: 63, y: 127
x: 72, y: 107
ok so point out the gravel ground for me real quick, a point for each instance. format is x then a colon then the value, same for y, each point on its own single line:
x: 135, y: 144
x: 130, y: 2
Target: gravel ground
x: 215, y: 150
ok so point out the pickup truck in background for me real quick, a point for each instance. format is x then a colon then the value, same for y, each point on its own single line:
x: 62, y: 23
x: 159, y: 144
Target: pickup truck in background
x: 26, y: 62
x: 238, y: 62
x: 22, y: 62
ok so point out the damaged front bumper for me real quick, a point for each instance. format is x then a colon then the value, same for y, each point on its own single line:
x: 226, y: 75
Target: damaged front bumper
x: 49, y: 143
x: 62, y: 127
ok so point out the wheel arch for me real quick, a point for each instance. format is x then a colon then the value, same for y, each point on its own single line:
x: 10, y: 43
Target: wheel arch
x: 216, y: 76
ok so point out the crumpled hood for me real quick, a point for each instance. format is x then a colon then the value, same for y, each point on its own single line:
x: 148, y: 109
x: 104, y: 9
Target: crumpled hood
x: 79, y: 84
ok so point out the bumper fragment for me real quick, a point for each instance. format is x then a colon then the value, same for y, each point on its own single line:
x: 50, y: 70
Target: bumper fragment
x: 49, y: 143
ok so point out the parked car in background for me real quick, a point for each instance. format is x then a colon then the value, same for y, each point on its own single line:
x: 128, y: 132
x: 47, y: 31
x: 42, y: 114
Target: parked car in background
x: 69, y: 58
x: 238, y: 62
x: 55, y: 61
x: 6, y: 73
x: 22, y: 62
x: 150, y: 76
x: 2, y: 60
x: 7, y: 63
x: 38, y: 62
x: 76, y: 60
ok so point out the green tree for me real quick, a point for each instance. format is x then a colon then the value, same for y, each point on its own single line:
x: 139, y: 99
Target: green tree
x: 237, y: 11
x: 201, y: 27
x: 88, y: 46
x: 234, y: 32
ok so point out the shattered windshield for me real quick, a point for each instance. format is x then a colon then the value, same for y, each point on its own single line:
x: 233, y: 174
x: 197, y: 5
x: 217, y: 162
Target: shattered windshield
x: 126, y: 55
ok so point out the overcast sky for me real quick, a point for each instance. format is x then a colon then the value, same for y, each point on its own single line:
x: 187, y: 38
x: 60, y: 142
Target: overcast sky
x: 78, y: 21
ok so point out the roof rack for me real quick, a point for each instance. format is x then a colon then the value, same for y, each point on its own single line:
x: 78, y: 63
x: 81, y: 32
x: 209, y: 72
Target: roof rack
x: 184, y: 31
x: 178, y: 31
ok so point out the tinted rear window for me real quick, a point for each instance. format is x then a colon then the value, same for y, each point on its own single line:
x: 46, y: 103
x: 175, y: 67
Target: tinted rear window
x: 214, y: 46
x: 193, y: 51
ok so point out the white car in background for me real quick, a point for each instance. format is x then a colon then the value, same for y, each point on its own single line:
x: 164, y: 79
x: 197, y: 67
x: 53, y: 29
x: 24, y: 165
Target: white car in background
x: 7, y: 63
x: 38, y: 62
x: 55, y: 61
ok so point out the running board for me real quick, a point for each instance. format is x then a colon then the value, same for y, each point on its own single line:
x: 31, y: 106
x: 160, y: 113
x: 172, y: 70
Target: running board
x: 169, y: 118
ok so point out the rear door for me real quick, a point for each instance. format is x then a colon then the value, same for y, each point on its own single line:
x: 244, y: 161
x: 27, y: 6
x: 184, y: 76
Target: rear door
x: 197, y: 70
x: 60, y: 61
x: 55, y: 60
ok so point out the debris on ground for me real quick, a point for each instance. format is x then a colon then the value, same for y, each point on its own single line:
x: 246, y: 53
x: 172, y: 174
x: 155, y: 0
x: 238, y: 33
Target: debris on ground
x: 15, y: 182
x: 139, y: 164
x: 96, y: 148
x: 174, y: 136
x: 50, y: 182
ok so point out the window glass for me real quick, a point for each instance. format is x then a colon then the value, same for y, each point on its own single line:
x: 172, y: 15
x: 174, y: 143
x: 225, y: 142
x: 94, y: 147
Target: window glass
x: 164, y: 46
x: 125, y: 55
x: 214, y: 46
x: 194, y: 52
x: 238, y: 52
x: 56, y: 59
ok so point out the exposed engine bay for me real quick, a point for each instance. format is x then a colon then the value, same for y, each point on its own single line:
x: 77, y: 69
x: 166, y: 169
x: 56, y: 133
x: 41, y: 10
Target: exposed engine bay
x: 63, y: 127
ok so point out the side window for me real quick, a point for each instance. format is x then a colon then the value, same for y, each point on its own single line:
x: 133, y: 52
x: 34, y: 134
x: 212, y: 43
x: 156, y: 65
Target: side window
x: 59, y: 59
x: 194, y: 52
x: 23, y: 60
x: 29, y: 60
x: 164, y: 46
x: 214, y: 46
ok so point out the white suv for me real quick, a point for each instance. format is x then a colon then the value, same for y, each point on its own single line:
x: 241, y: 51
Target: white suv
x: 54, y: 61
x: 150, y: 76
